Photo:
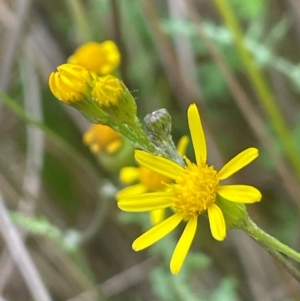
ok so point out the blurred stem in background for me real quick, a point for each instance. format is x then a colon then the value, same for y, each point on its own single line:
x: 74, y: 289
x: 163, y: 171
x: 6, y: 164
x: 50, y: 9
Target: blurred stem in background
x: 82, y: 26
x: 260, y: 86
x: 107, y: 192
x: 55, y: 138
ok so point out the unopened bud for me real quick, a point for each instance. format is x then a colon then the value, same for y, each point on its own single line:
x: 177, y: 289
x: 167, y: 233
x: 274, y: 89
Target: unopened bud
x: 158, y: 123
x: 73, y: 84
x: 115, y: 99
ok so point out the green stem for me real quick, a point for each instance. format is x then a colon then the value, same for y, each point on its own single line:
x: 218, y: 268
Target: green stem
x: 285, y: 263
x: 260, y: 85
x: 165, y: 148
x: 271, y: 243
x: 136, y: 135
x: 173, y: 152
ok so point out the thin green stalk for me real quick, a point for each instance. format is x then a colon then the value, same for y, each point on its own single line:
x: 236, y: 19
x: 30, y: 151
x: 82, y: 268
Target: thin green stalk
x: 136, y: 135
x: 140, y: 140
x: 270, y: 242
x: 285, y: 263
x: 260, y: 86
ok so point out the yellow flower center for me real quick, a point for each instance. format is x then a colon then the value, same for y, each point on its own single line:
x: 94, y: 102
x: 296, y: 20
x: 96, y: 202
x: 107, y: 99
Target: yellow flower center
x: 108, y: 90
x: 153, y: 180
x: 195, y: 190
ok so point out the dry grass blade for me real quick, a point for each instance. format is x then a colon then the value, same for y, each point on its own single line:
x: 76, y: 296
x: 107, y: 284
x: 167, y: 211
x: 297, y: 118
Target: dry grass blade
x: 11, y: 43
x: 184, y: 49
x: 21, y: 256
x: 166, y: 54
x: 34, y: 159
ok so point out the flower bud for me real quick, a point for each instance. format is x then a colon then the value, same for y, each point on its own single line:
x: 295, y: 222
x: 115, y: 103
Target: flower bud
x: 158, y: 123
x: 114, y: 98
x: 72, y: 84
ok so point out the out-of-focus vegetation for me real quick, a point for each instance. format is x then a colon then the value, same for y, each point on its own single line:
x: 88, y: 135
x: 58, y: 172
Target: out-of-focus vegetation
x: 238, y: 60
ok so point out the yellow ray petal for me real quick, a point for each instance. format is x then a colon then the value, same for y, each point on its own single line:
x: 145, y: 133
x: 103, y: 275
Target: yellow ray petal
x: 131, y: 190
x: 216, y: 222
x: 157, y: 216
x: 129, y: 174
x: 182, y: 145
x: 157, y: 232
x: 146, y: 202
x: 240, y: 193
x: 238, y: 162
x: 183, y: 246
x: 158, y: 164
x: 197, y: 134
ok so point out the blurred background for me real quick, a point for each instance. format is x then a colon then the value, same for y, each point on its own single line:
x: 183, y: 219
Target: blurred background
x: 238, y: 60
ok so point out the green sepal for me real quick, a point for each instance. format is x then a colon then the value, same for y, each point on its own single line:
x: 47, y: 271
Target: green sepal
x: 235, y: 214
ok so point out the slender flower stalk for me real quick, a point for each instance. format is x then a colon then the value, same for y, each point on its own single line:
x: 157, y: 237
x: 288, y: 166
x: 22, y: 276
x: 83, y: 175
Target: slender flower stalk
x: 274, y: 247
x: 270, y: 242
x: 194, y: 190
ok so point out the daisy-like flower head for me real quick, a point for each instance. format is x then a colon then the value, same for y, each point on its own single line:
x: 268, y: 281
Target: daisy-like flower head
x: 99, y: 58
x: 71, y: 83
x: 194, y: 191
x: 148, y: 181
x: 101, y: 138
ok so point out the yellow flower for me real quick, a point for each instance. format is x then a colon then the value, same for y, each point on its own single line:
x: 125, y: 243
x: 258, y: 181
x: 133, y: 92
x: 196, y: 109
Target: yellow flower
x: 100, y: 58
x: 114, y: 98
x: 149, y: 181
x: 193, y: 192
x: 101, y: 138
x: 71, y: 83
x: 108, y: 90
